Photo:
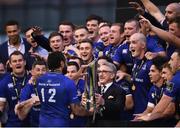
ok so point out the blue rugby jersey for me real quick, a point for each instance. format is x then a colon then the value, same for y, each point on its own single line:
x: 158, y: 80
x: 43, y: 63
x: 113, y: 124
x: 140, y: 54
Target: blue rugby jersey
x: 8, y: 94
x: 56, y: 93
x: 173, y: 89
x: 155, y: 95
x: 141, y: 84
x: 28, y: 92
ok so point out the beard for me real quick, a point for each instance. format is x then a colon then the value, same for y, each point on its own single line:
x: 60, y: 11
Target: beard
x: 14, y: 40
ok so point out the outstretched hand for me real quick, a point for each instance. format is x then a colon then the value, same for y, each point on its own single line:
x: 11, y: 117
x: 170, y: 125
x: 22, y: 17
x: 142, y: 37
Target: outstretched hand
x: 137, y: 7
x: 144, y: 117
x: 37, y: 30
x: 145, y: 22
x: 137, y: 116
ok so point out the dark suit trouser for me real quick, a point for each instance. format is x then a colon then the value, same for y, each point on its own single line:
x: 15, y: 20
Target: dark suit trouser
x: 168, y: 122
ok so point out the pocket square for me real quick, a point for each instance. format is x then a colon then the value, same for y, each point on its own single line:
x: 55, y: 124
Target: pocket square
x: 110, y: 97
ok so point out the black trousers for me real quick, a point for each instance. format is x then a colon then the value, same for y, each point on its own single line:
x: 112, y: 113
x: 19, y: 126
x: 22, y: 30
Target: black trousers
x: 167, y: 122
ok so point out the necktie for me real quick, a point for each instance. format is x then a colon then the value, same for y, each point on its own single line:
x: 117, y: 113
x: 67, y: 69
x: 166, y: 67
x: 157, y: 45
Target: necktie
x: 103, y: 90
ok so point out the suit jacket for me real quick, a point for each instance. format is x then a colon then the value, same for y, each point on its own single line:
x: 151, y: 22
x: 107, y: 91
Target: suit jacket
x: 42, y: 41
x: 114, y: 104
x: 4, y: 56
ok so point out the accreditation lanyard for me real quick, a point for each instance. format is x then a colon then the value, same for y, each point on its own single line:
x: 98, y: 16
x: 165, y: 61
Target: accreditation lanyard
x: 35, y: 88
x: 137, y: 69
x: 158, y: 97
x: 15, y: 85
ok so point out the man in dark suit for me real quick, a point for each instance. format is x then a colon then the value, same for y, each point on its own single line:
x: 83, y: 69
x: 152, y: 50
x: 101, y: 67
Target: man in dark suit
x: 14, y: 42
x: 110, y: 98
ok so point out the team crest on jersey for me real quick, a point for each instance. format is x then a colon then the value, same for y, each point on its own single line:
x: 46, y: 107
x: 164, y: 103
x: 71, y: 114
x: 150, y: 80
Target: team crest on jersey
x: 169, y: 86
x: 79, y: 93
x: 107, y: 52
x: 49, y: 81
x: 14, y: 98
x: 124, y: 51
x: 153, y: 95
x: 10, y: 85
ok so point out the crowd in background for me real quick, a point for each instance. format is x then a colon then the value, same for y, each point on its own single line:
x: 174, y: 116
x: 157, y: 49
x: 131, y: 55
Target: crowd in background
x: 97, y: 74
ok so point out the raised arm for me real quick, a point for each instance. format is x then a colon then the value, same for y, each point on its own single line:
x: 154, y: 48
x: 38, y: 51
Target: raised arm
x: 153, y: 10
x: 40, y: 38
x: 167, y: 36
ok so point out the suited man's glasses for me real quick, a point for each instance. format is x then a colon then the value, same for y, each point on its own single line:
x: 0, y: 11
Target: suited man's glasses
x: 104, y: 71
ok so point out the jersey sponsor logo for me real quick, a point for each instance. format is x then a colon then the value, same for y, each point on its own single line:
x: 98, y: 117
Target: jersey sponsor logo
x: 139, y: 80
x: 169, y: 86
x: 10, y: 85
x: 125, y: 51
x: 49, y: 84
x: 49, y: 81
x: 42, y: 84
x: 14, y: 98
x: 54, y: 84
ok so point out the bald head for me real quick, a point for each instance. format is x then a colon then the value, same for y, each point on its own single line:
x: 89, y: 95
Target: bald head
x: 172, y: 11
x: 137, y: 45
x: 138, y: 37
x: 176, y: 7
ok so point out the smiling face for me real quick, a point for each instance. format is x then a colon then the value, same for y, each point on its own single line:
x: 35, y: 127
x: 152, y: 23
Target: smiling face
x: 17, y: 63
x: 105, y: 74
x: 137, y: 45
x: 86, y: 51
x: 172, y: 11
x: 115, y: 34
x: 12, y: 32
x: 67, y: 32
x: 174, y: 29
x: 167, y: 74
x: 56, y: 43
x: 130, y: 28
x: 72, y: 72
x: 104, y: 33
x: 38, y: 70
x: 30, y: 39
x: 81, y: 34
x: 92, y: 26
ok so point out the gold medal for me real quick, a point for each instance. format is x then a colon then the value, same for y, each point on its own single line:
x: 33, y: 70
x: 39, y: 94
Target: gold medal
x: 133, y: 87
x: 71, y: 116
